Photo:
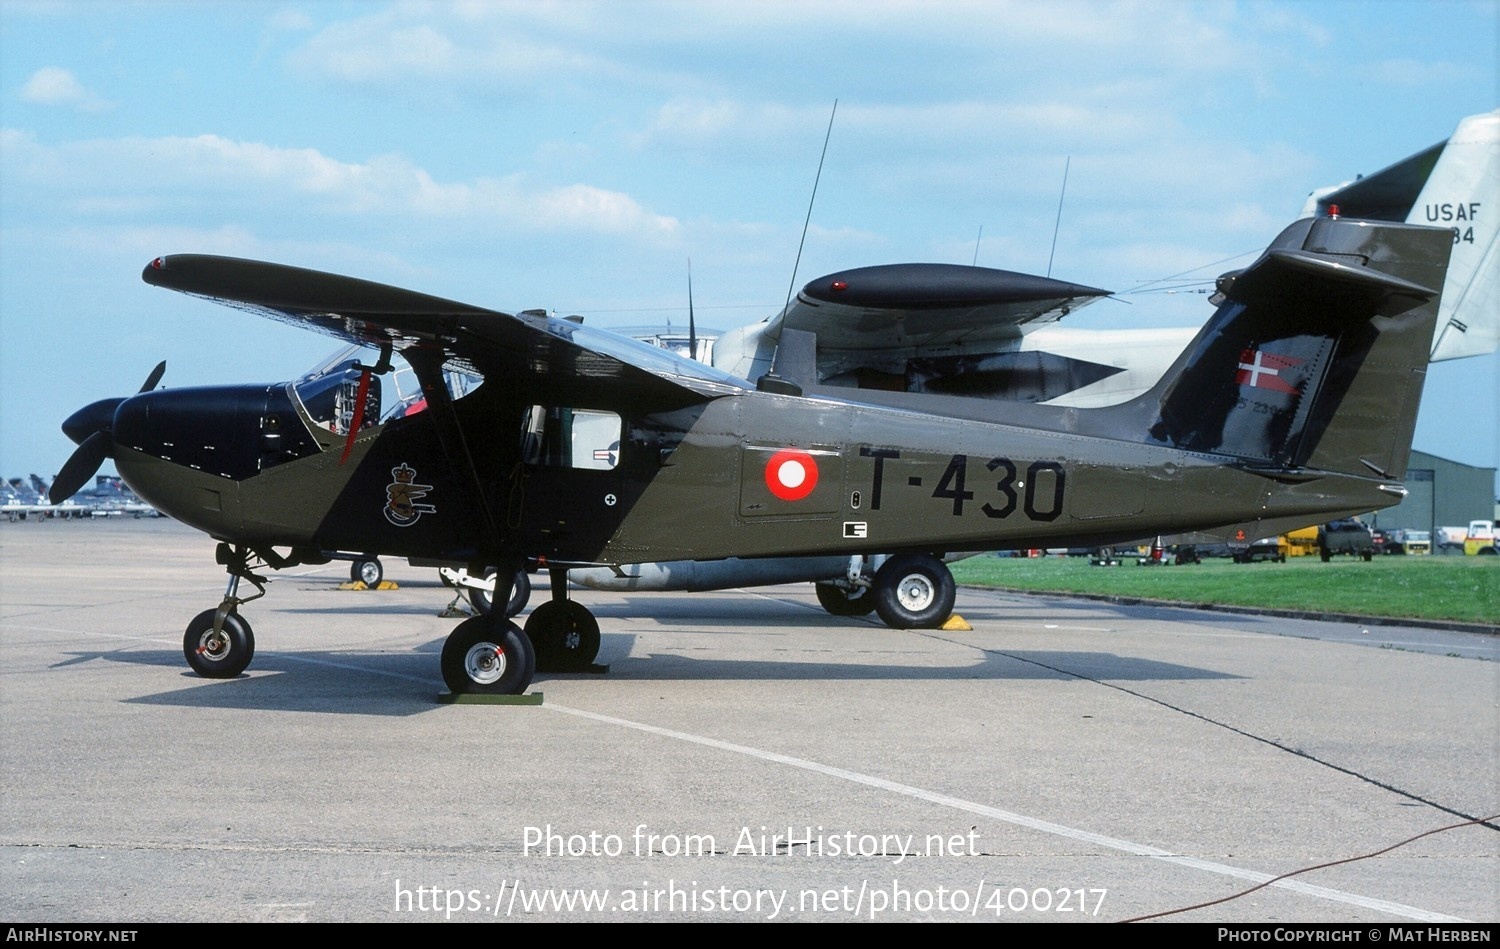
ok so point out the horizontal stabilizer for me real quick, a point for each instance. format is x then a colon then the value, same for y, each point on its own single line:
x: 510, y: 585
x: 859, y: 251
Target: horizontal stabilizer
x: 1316, y: 277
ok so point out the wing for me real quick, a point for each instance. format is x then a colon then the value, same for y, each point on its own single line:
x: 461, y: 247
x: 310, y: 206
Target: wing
x: 913, y: 307
x: 547, y: 356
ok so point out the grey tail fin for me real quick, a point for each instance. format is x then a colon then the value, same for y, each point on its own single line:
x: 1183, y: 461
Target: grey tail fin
x: 1316, y: 356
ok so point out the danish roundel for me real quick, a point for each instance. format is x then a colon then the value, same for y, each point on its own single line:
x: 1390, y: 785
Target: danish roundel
x: 791, y: 474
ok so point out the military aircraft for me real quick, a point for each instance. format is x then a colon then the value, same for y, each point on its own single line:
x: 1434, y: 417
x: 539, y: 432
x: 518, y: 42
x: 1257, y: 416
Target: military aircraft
x: 1295, y: 403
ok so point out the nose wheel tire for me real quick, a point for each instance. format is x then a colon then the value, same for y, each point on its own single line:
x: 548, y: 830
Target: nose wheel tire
x: 914, y: 591
x: 488, y: 655
x: 566, y: 636
x: 221, y: 655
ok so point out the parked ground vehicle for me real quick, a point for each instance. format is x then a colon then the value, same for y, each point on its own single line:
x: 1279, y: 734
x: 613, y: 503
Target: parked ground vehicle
x: 1267, y: 548
x: 1409, y: 542
x: 1348, y: 536
x: 1481, y: 539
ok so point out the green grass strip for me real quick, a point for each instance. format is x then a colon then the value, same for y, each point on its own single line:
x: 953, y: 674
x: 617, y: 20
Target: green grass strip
x: 1466, y: 589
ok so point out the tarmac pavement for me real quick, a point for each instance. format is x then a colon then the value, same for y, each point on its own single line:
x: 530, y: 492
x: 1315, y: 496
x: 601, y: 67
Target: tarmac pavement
x: 746, y: 757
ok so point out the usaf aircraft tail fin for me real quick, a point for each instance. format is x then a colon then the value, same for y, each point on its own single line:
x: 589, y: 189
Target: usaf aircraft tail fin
x: 1315, y: 358
x: 1452, y: 184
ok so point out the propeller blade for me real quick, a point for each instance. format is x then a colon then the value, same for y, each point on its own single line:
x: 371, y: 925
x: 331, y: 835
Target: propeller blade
x: 80, y: 467
x: 155, y: 377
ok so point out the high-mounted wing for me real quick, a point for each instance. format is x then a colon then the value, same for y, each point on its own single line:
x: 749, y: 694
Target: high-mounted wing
x: 543, y: 354
x: 910, y: 306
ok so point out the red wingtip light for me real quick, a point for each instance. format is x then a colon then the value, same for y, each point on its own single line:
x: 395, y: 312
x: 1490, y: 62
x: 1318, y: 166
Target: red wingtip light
x: 840, y: 285
x: 159, y: 263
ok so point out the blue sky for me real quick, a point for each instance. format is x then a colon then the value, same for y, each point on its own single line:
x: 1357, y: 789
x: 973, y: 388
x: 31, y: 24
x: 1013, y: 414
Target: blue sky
x: 575, y: 155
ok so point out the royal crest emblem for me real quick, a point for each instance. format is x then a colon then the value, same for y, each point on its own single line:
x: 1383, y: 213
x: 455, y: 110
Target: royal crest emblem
x: 402, y: 495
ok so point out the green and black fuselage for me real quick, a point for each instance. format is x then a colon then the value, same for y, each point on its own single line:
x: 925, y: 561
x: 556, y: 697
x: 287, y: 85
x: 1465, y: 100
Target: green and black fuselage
x: 1295, y: 404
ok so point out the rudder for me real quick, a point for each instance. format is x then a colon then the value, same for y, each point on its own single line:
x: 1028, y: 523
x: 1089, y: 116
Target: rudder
x: 1316, y: 356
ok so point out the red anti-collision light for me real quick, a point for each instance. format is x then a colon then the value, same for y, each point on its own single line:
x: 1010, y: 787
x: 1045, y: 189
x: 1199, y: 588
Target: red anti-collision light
x: 840, y: 285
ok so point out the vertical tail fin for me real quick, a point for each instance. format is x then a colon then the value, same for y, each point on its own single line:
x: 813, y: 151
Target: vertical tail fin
x: 1316, y: 357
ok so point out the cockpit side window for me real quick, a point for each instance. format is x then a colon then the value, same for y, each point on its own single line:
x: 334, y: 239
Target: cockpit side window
x: 329, y: 393
x: 562, y: 437
x: 331, y: 399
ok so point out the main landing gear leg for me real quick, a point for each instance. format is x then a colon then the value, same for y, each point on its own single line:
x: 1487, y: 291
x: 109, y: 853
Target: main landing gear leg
x: 219, y: 643
x: 564, y: 631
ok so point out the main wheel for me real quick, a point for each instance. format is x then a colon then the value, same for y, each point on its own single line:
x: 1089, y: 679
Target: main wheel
x: 843, y: 602
x: 914, y: 591
x: 520, y: 594
x: 488, y: 655
x: 221, y: 655
x: 368, y: 572
x: 566, y: 636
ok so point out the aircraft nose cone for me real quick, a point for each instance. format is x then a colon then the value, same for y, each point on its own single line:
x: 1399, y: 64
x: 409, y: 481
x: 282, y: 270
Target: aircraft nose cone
x: 94, y: 417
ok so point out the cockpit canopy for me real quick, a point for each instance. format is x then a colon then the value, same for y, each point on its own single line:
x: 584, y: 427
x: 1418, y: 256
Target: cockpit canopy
x: 329, y: 392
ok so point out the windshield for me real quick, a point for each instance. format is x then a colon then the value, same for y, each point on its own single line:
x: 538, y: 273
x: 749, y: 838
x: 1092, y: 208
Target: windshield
x: 329, y: 391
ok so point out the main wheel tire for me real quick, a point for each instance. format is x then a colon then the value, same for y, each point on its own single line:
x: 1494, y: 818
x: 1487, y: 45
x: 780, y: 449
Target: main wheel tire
x: 368, y: 572
x: 520, y: 595
x: 914, y: 591
x: 218, y: 656
x: 842, y: 602
x: 487, y: 655
x: 566, y: 636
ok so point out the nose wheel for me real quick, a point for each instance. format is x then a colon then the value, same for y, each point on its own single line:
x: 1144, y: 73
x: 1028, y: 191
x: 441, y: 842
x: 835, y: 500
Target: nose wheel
x: 221, y: 653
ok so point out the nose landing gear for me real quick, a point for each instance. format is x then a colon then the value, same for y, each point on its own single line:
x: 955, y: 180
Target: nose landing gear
x: 219, y: 643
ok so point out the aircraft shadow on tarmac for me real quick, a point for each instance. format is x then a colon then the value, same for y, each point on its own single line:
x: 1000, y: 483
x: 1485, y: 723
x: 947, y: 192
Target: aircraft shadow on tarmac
x: 844, y: 666
x: 401, y: 683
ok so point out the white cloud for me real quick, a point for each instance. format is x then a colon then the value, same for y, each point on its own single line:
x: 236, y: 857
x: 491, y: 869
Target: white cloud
x: 55, y: 86
x: 210, y: 173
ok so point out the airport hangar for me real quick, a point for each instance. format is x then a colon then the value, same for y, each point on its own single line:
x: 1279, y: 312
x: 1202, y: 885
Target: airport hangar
x: 1439, y: 492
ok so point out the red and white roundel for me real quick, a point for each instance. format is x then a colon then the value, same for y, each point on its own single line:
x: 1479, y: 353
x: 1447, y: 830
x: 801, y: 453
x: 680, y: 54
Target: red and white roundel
x: 791, y: 474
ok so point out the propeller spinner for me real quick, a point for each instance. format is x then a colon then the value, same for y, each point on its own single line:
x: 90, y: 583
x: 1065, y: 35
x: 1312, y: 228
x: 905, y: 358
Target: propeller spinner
x: 92, y: 427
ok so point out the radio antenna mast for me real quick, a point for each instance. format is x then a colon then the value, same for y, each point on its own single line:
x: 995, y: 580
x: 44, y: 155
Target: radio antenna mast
x: 1058, y: 223
x: 798, y: 262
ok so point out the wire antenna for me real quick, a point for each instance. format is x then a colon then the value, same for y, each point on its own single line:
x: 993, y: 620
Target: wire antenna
x: 816, y: 178
x: 1056, y: 225
x: 692, y: 325
x: 980, y: 238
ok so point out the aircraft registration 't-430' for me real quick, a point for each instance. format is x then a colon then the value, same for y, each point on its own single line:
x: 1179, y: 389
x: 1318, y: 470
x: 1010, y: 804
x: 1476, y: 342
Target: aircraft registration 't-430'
x: 1295, y: 403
